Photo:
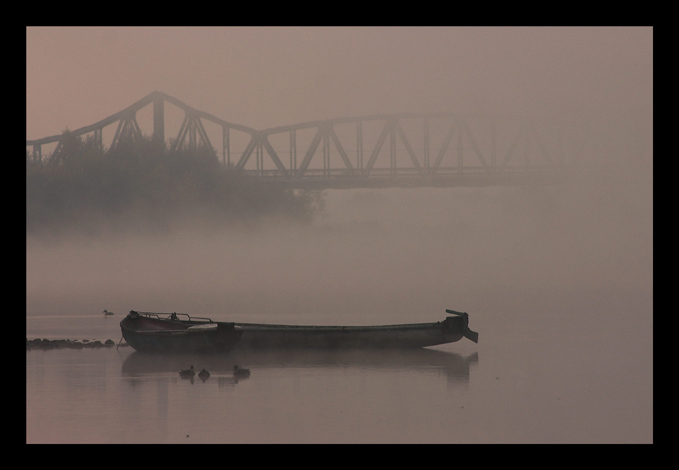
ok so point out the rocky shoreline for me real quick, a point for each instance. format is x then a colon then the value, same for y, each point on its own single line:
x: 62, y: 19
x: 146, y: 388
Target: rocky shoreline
x: 44, y: 344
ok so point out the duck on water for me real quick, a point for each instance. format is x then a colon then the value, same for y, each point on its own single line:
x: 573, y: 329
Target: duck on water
x: 187, y: 373
x: 240, y: 373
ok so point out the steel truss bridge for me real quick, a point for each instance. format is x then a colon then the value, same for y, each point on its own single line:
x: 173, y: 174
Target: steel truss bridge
x: 396, y: 150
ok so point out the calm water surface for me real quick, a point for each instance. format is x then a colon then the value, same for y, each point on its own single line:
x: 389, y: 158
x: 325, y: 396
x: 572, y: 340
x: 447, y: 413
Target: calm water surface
x: 518, y: 385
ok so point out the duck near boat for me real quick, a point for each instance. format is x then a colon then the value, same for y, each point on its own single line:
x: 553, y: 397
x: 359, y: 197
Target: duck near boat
x: 106, y: 312
x: 203, y: 375
x: 187, y: 373
x: 240, y: 373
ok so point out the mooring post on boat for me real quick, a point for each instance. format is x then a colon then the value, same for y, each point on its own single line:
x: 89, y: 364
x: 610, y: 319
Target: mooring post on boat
x: 455, y: 312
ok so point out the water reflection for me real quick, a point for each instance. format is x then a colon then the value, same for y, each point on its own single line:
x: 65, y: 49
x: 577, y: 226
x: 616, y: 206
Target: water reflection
x: 220, y: 366
x: 227, y: 381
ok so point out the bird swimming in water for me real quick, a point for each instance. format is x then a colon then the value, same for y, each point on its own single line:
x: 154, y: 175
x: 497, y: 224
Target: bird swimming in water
x: 240, y: 373
x: 106, y: 312
x: 187, y: 373
x: 203, y: 375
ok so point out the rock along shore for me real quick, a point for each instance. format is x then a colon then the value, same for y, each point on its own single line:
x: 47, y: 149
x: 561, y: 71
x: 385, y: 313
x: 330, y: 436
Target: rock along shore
x: 44, y: 344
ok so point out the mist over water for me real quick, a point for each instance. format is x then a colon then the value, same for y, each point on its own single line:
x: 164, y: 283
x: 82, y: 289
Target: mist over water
x: 395, y: 251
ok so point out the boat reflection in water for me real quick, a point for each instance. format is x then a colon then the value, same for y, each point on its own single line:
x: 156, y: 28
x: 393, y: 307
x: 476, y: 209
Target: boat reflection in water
x: 454, y: 367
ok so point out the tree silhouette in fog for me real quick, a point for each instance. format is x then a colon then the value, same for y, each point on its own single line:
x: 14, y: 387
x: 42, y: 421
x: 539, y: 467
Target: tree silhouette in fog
x: 142, y: 184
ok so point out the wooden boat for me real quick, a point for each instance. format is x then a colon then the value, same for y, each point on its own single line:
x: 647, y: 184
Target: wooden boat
x: 147, y: 331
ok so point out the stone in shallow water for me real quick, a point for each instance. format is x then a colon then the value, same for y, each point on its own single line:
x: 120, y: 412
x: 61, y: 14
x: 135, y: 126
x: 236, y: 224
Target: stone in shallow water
x: 42, y: 343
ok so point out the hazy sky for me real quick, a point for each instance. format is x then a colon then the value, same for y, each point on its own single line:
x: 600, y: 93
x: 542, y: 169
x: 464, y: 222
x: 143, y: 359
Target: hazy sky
x: 273, y: 76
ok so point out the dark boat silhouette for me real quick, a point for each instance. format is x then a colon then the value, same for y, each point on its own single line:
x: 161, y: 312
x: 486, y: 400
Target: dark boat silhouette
x: 148, y: 331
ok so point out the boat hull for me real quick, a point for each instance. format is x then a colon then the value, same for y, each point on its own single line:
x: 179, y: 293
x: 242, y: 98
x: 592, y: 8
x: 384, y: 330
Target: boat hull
x: 259, y: 336
x: 146, y: 333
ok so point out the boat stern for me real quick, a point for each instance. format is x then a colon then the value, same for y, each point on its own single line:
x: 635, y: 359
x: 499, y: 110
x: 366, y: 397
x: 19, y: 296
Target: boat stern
x: 459, y: 322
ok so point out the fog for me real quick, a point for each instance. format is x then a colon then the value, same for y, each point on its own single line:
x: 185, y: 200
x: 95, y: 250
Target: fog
x: 374, y: 253
x: 388, y: 253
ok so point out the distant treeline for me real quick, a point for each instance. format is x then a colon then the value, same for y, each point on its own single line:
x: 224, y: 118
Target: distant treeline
x: 143, y: 185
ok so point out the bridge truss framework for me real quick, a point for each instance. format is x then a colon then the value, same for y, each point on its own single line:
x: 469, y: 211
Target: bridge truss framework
x: 411, y: 149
